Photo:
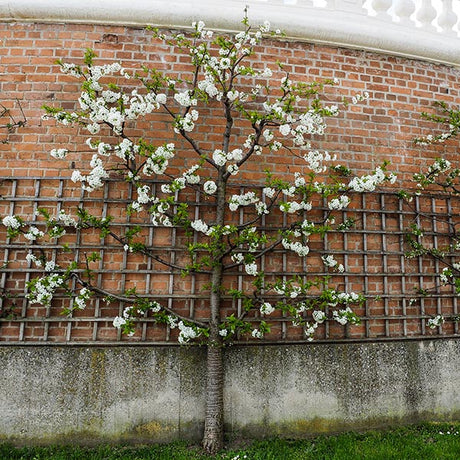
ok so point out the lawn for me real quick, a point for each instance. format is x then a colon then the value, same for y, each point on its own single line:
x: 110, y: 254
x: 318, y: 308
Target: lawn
x: 429, y: 441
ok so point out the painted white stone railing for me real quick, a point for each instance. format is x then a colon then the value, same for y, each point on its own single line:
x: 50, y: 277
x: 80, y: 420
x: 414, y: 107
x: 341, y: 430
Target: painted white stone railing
x: 422, y: 29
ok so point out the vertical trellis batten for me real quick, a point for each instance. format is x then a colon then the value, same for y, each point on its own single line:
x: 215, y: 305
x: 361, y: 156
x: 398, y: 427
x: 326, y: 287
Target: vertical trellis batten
x: 76, y: 259
x: 304, y: 271
x: 124, y: 262
x: 402, y: 264
x: 420, y: 268
x: 172, y: 261
x: 385, y: 263
x: 436, y: 261
x: 284, y: 269
x: 345, y: 259
x: 455, y: 296
x: 60, y: 195
x: 365, y: 265
x: 325, y: 245
x: 97, y: 306
x: 14, y: 186
x: 193, y: 275
x: 240, y: 268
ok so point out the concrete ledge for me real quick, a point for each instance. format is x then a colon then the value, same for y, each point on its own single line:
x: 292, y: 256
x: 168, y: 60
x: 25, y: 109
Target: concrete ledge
x: 155, y: 394
x: 319, y: 25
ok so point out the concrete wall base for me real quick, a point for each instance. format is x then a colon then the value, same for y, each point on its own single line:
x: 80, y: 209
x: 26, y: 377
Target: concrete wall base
x: 86, y: 395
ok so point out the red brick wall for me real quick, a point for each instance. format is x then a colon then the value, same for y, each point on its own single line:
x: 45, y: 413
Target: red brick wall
x: 363, y: 136
x: 367, y: 134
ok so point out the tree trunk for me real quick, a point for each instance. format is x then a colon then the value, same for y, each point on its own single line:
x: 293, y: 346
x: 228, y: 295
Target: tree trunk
x: 213, y: 438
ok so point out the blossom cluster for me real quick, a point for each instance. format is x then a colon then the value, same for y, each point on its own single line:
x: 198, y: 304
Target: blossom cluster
x: 330, y: 262
x: 95, y: 177
x: 158, y: 161
x: 12, y: 222
x: 59, y: 154
x: 201, y: 226
x: 440, y: 165
x: 81, y: 299
x: 33, y: 233
x: 317, y: 161
x: 345, y: 316
x: 242, y: 200
x: 31, y: 258
x: 266, y: 308
x: 301, y: 249
x: 339, y: 203
x: 41, y: 290
x: 66, y: 219
x: 437, y: 321
x: 369, y: 182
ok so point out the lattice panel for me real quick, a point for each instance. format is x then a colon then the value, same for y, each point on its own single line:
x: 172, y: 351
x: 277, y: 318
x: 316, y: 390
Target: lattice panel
x: 372, y: 252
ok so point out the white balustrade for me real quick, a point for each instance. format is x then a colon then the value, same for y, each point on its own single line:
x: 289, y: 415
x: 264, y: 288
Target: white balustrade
x: 425, y: 29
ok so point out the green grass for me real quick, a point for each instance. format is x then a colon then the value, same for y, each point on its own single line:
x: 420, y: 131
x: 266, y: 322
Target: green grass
x: 430, y: 441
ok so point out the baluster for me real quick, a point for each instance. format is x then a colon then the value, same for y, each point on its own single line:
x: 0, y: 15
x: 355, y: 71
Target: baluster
x: 426, y: 14
x: 381, y: 7
x: 448, y: 18
x: 403, y: 10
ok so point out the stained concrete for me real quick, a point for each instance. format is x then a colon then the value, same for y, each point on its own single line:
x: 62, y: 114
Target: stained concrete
x: 156, y: 394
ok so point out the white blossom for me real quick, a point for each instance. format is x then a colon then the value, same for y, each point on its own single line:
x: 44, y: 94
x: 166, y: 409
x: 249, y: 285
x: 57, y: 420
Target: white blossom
x: 119, y: 321
x: 50, y: 266
x: 319, y: 316
x: 257, y: 334
x: 269, y: 192
x: 233, y: 169
x: 219, y: 157
x: 33, y: 233
x: 297, y: 247
x: 66, y: 219
x: 238, y: 258
x: 242, y: 200
x: 186, y: 333
x: 369, y: 182
x: 32, y: 259
x: 210, y: 187
x: 339, y: 203
x: 42, y: 291
x: 285, y: 129
x: 329, y: 261
x: 266, y: 308
x: 184, y: 99
x: 11, y: 222
x: 251, y: 269
x: 201, y: 226
x: 59, y: 154
x: 437, y: 321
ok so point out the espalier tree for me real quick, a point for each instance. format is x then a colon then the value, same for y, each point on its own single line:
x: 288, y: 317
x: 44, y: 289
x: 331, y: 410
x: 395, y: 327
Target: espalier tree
x: 437, y: 237
x: 262, y: 113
